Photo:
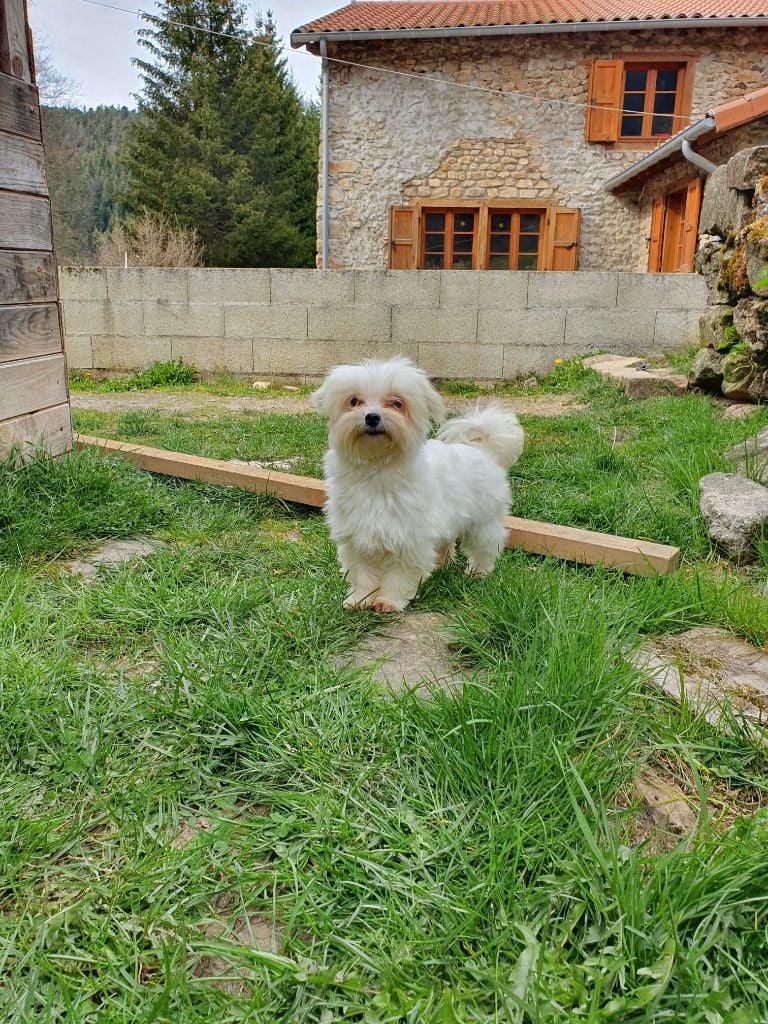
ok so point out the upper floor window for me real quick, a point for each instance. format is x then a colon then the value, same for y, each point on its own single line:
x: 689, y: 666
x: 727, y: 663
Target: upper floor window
x: 650, y: 99
x: 638, y: 101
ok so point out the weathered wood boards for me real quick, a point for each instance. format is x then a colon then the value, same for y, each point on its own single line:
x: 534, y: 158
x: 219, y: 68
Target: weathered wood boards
x: 34, y: 405
x: 642, y: 558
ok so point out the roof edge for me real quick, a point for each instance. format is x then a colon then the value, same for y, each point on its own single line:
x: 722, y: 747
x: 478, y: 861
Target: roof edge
x: 299, y: 38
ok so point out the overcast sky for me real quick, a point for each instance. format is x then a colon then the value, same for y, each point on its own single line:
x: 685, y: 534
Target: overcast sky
x: 95, y: 46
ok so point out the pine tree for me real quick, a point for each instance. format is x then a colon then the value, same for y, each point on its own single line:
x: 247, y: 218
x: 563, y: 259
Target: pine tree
x: 224, y: 143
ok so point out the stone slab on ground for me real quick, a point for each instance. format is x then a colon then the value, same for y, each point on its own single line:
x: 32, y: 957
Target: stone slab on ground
x: 717, y: 673
x: 636, y: 377
x: 735, y: 511
x: 752, y: 452
x: 112, y: 552
x: 409, y: 652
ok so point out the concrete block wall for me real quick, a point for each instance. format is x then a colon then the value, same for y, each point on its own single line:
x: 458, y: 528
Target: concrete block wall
x: 299, y: 323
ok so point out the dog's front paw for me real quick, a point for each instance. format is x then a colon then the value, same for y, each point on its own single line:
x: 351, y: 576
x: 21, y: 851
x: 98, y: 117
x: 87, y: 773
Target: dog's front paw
x: 380, y: 605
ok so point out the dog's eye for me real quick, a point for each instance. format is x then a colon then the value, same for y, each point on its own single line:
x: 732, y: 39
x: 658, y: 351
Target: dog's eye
x: 354, y: 402
x: 396, y: 404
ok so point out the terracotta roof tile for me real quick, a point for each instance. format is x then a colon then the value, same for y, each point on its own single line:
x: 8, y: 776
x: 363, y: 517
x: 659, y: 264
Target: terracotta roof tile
x: 382, y: 16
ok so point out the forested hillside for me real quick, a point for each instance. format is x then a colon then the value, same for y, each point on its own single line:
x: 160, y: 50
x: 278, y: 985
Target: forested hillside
x: 85, y: 174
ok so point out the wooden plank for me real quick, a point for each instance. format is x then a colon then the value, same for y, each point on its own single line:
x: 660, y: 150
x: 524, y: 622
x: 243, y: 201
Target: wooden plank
x: 32, y: 384
x: 27, y: 331
x: 634, y: 556
x: 16, y: 34
x: 22, y: 168
x: 50, y: 429
x: 19, y: 108
x: 25, y: 222
x: 27, y: 277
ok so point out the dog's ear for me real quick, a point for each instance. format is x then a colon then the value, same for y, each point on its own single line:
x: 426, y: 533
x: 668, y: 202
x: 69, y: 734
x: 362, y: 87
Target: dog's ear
x: 319, y: 400
x: 435, y: 404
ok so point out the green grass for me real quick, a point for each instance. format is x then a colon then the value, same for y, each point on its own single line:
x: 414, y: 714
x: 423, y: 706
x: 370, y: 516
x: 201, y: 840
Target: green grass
x: 457, y: 860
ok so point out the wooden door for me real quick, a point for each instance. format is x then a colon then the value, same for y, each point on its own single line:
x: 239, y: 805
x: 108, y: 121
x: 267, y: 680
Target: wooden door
x: 34, y: 397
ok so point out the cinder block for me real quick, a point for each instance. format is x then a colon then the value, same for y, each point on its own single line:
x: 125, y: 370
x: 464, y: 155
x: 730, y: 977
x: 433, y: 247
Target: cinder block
x: 293, y: 357
x: 623, y: 332
x: 355, y: 351
x: 350, y: 323
x: 545, y: 327
x: 662, y: 291
x: 676, y: 328
x: 82, y: 284
x: 523, y: 360
x: 266, y: 321
x: 397, y: 287
x: 214, y: 284
x: 459, y: 288
x: 147, y: 283
x: 313, y: 287
x: 462, y: 362
x: 580, y: 290
x: 129, y: 353
x: 233, y: 354
x: 505, y: 288
x: 112, y: 319
x: 201, y: 320
x: 79, y: 351
x: 457, y: 326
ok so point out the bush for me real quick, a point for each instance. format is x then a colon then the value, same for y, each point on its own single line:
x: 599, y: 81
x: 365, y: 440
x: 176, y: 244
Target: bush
x: 150, y: 240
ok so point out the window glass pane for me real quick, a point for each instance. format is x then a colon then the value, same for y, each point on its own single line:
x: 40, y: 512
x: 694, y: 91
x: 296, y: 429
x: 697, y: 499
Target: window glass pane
x: 500, y: 243
x: 529, y: 243
x: 664, y: 103
x: 462, y: 262
x: 662, y: 126
x: 666, y: 81
x: 464, y: 222
x: 434, y: 243
x: 634, y: 101
x: 435, y: 222
x: 462, y: 243
x: 498, y: 263
x: 530, y: 222
x: 501, y: 222
x: 632, y: 127
x: 527, y: 262
x: 433, y: 261
x: 635, y: 81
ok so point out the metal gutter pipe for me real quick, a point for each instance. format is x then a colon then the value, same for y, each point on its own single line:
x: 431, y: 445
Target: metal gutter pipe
x: 635, y: 24
x: 667, y: 149
x: 695, y: 158
x: 326, y: 135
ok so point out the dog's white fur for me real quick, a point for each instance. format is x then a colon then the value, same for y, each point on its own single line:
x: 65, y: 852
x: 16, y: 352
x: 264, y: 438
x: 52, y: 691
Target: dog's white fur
x: 397, y: 502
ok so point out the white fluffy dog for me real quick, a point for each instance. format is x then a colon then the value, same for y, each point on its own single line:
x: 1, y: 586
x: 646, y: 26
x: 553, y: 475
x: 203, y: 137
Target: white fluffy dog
x: 398, y: 503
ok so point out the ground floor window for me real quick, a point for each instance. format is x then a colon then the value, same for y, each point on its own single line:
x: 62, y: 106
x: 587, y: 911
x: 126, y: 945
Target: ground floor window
x: 483, y: 236
x: 674, y: 228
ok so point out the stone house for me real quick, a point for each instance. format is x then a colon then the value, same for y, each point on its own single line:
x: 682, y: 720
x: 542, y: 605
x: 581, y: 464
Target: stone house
x: 517, y: 135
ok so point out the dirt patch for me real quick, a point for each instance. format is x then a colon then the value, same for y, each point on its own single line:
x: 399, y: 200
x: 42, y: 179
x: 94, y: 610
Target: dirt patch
x: 203, y: 407
x: 111, y: 552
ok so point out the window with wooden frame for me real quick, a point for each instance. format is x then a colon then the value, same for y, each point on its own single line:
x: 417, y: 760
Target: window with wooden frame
x: 638, y: 101
x: 674, y: 228
x: 493, y: 235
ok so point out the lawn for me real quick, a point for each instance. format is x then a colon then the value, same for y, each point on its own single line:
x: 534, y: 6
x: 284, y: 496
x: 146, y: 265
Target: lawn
x: 183, y: 763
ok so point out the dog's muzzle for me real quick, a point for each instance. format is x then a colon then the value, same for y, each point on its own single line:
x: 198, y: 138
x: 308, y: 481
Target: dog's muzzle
x: 373, y: 424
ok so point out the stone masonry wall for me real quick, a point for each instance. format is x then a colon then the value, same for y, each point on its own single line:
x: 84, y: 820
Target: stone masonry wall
x: 299, y: 323
x: 394, y: 139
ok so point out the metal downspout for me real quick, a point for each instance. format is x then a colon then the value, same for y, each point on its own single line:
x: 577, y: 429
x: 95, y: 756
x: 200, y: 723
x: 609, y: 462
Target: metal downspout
x: 695, y: 158
x: 325, y: 132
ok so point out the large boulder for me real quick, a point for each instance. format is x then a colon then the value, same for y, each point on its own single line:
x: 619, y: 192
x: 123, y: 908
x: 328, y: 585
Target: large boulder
x: 747, y: 167
x: 757, y: 256
x: 735, y: 511
x: 738, y: 374
x: 716, y: 328
x: 723, y: 209
x: 750, y: 320
x: 706, y: 372
x: 708, y: 263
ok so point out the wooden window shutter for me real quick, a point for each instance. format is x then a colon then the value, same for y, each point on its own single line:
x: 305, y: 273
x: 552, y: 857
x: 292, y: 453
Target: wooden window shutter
x: 563, y: 249
x: 691, y: 225
x: 403, y: 221
x: 657, y: 235
x: 604, y: 99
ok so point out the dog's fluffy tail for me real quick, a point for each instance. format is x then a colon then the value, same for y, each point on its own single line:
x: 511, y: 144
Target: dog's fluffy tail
x: 493, y: 427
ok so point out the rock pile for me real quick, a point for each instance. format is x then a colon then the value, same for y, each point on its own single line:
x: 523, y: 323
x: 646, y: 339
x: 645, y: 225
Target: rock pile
x: 733, y: 258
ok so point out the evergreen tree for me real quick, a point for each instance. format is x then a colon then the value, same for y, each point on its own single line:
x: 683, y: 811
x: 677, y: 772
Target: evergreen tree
x: 224, y: 143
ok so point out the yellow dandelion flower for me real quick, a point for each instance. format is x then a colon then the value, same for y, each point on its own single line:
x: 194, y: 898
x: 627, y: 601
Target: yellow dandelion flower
x: 558, y: 362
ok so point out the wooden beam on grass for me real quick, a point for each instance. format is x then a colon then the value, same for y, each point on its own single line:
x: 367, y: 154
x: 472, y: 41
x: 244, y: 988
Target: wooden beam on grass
x: 643, y: 558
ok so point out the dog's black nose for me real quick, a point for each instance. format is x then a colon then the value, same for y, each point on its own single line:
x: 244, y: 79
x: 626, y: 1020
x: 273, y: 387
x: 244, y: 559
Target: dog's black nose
x: 372, y: 420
